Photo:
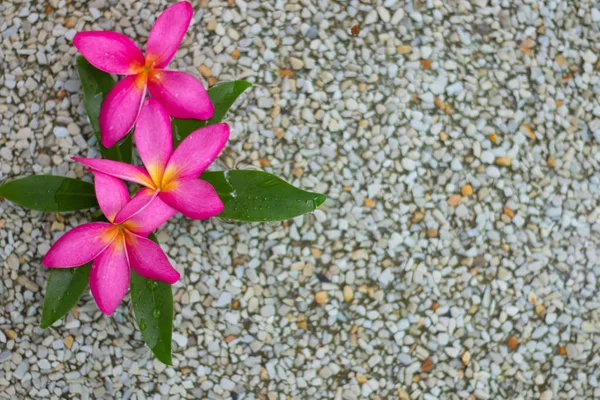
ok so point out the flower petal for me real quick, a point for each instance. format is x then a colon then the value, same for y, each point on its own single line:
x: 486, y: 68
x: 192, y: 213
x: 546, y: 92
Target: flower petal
x: 153, y: 138
x: 120, y: 109
x: 109, y: 277
x: 182, y: 95
x: 194, y: 198
x: 196, y: 152
x: 118, y: 169
x: 111, y: 193
x: 147, y: 259
x: 111, y: 52
x: 150, y: 217
x: 139, y: 202
x: 80, y: 245
x: 167, y: 33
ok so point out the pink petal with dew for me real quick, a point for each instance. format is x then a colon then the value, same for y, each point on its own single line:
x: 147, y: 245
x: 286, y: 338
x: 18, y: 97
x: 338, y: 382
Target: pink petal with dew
x: 117, y: 169
x: 80, y: 245
x: 153, y: 138
x: 142, y: 199
x: 182, y: 95
x: 120, y: 109
x: 111, y: 193
x: 109, y: 277
x: 150, y: 218
x: 148, y: 260
x: 196, y: 152
x: 110, y: 52
x: 194, y: 198
x: 167, y: 33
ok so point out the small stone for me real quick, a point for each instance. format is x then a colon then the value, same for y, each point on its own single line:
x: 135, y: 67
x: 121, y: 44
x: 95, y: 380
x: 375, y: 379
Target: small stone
x: 427, y: 365
x: 454, y: 200
x: 348, y: 293
x: 60, y: 131
x: 466, y: 358
x: 68, y: 341
x: 467, y: 190
x: 408, y: 164
x: 321, y: 297
x: 296, y: 63
x: 10, y: 334
x: 551, y: 162
x: 512, y: 342
x: 205, y: 71
x: 404, y: 49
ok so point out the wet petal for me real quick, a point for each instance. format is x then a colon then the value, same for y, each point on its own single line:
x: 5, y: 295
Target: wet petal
x: 120, y: 109
x: 111, y: 193
x: 80, y: 245
x: 109, y: 277
x: 150, y: 217
x: 196, y: 152
x: 182, y: 95
x: 117, y: 169
x: 153, y: 138
x: 147, y: 259
x: 110, y: 52
x: 194, y: 198
x: 167, y: 33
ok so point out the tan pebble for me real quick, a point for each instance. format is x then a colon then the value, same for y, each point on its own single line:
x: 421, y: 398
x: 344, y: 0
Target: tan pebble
x: 316, y: 253
x: 551, y: 162
x: 540, y: 309
x: 264, y: 162
x: 302, y: 324
x: 417, y: 217
x: 532, y: 297
x: 509, y: 212
x: 443, y: 136
x: 348, y: 293
x: 211, y: 81
x: 354, y: 329
x: 10, y: 334
x: 432, y: 233
x: 205, y: 71
x: 559, y: 102
x: 235, y: 54
x: 427, y: 365
x: 467, y: 190
x: 369, y: 203
x: 529, y: 131
x: 59, y: 217
x: 321, y: 297
x: 286, y: 73
x: 362, y: 87
x: 493, y: 137
x: 512, y: 342
x: 504, y: 161
x: 562, y: 350
x: 466, y: 358
x: 211, y: 25
x: 561, y: 60
x: 404, y: 49
x: 57, y: 226
x: 279, y: 133
x: 361, y: 379
x: 426, y: 64
x: 264, y: 374
x: 230, y: 338
x: 68, y: 341
x: 435, y: 306
x: 454, y: 200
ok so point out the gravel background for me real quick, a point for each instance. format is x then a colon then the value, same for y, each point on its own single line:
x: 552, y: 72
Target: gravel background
x: 456, y: 258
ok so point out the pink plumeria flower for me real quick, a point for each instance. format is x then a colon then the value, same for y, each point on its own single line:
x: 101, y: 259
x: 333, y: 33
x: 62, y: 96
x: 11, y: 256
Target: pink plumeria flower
x: 181, y: 94
x: 172, y: 176
x: 117, y: 245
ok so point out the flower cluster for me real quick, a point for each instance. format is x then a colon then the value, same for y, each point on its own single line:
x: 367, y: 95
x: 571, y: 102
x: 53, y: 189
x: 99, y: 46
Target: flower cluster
x: 169, y: 180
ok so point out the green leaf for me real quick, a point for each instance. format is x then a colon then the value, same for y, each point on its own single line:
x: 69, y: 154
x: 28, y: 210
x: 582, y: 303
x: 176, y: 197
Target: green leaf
x: 50, y: 193
x: 63, y: 290
x: 95, y: 85
x: 259, y: 196
x: 153, y: 308
x: 223, y: 96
